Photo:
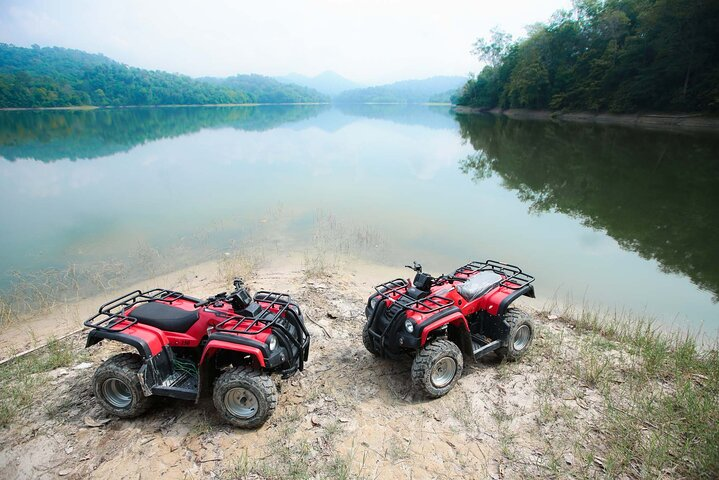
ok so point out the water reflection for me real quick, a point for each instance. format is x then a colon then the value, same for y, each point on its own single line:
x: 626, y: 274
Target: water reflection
x: 582, y: 207
x: 86, y: 134
x: 655, y: 193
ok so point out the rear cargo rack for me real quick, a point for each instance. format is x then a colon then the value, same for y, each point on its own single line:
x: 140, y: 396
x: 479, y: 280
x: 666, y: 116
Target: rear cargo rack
x: 396, y: 290
x: 514, y: 279
x: 111, y: 316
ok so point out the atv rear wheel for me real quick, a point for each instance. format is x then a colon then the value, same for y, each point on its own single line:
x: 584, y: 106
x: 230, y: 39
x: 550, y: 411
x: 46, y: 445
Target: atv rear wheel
x: 437, y: 367
x: 521, y: 334
x: 117, y: 386
x: 367, y: 340
x: 245, y: 397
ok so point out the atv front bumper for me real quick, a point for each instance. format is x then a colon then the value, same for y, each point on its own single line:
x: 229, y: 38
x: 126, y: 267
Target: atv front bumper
x: 397, y: 340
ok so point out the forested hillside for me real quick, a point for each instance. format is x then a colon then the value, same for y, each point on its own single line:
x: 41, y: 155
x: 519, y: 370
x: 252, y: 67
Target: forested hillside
x: 58, y: 77
x: 613, y: 55
x: 267, y: 90
x: 408, y: 91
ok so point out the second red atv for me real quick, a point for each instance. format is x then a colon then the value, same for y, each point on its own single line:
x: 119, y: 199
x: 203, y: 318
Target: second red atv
x: 229, y: 343
x: 437, y: 319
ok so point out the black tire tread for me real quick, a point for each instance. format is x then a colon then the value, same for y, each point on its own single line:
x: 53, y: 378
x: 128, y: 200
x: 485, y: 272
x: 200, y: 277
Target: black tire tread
x: 422, y: 365
x: 514, y: 317
x: 367, y: 340
x: 261, y: 380
x: 124, y: 366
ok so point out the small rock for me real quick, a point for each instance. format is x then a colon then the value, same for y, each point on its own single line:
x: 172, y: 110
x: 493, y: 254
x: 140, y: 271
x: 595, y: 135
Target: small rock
x: 316, y: 421
x: 58, y: 372
x: 82, y: 366
x: 552, y: 317
x: 91, y: 422
x: 343, y: 420
x: 64, y: 472
x: 172, y: 443
x: 69, y: 450
x: 569, y: 458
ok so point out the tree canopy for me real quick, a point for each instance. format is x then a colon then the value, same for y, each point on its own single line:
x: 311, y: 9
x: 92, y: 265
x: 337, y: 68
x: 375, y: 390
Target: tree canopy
x: 605, y: 55
x: 59, y: 77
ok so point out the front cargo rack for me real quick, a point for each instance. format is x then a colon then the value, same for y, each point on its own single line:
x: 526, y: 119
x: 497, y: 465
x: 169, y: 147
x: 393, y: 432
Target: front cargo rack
x: 276, y: 308
x: 514, y: 279
x: 111, y: 316
x: 396, y: 291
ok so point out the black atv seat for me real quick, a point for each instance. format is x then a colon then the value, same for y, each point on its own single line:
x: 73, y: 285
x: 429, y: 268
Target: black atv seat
x: 164, y: 316
x: 478, y: 285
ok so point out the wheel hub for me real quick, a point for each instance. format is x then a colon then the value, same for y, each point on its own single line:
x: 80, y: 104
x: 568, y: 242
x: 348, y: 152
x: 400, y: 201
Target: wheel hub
x: 117, y: 393
x: 443, y: 372
x: 521, y: 338
x: 241, y: 402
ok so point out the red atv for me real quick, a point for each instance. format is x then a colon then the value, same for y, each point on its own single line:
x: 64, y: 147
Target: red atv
x: 230, y: 342
x: 436, y: 319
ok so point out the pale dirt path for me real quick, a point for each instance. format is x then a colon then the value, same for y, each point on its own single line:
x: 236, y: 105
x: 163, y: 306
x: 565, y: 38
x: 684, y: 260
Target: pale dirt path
x: 346, y: 409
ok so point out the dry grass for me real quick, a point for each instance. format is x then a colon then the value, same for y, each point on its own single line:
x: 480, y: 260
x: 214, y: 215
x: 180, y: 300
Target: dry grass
x: 238, y: 264
x: 333, y: 241
x: 33, y: 292
x: 660, y: 392
x: 20, y: 379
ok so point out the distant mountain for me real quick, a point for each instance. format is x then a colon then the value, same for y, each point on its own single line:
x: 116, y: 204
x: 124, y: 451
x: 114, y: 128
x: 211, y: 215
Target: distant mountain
x: 268, y: 90
x: 59, y: 77
x: 329, y: 83
x: 408, y: 91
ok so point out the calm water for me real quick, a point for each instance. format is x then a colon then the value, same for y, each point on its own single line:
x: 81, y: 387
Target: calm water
x: 612, y: 216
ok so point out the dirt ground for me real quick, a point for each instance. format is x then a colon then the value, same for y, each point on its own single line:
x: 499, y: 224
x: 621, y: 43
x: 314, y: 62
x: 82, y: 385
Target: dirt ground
x: 347, y: 415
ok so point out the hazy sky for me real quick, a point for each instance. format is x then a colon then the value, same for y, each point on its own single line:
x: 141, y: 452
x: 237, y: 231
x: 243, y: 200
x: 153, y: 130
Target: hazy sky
x: 367, y: 41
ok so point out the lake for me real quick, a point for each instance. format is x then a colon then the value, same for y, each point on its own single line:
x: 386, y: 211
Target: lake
x: 615, y: 217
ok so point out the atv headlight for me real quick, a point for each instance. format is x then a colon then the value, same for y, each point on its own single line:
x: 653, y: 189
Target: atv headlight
x: 409, y: 326
x: 272, y: 342
x: 373, y: 302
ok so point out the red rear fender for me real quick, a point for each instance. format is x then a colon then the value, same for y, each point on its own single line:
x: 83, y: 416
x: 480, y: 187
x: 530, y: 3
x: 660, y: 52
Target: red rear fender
x: 147, y: 340
x: 214, y: 345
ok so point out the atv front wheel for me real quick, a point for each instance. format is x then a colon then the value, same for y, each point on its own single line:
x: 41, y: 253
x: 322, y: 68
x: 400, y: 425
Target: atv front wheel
x: 521, y: 334
x: 245, y: 397
x: 117, y: 386
x: 437, y: 367
x: 367, y: 340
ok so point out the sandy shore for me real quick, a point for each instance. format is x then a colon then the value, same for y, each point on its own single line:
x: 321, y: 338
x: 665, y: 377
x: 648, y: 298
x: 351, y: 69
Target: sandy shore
x: 347, y: 415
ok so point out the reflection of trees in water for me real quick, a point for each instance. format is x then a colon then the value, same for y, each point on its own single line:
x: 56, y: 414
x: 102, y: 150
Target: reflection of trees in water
x: 75, y: 134
x: 655, y: 193
x: 431, y: 116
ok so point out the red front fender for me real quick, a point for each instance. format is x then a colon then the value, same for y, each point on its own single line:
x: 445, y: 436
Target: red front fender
x: 456, y: 319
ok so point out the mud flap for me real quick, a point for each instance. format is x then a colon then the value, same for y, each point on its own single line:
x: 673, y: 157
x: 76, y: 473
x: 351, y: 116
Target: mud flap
x: 141, y: 377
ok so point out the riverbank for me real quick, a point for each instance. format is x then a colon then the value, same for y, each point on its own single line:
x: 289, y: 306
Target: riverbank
x: 194, y: 105
x: 591, y: 399
x: 653, y: 121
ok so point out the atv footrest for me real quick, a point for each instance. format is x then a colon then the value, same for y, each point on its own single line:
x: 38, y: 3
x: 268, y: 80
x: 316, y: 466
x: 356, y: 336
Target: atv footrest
x: 482, y: 345
x: 182, y: 386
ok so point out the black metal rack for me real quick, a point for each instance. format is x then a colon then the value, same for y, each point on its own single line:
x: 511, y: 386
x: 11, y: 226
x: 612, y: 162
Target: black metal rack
x: 268, y: 318
x: 111, y: 315
x: 514, y: 279
x: 396, y: 290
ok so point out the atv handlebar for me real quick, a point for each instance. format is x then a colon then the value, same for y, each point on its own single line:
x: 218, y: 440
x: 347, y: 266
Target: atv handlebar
x: 415, y: 266
x: 212, y: 299
x: 239, y: 285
